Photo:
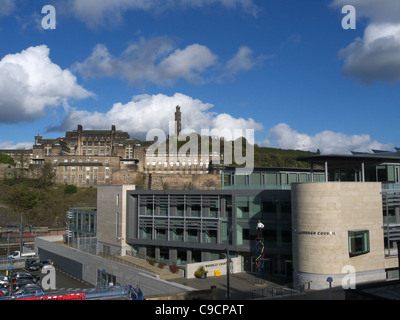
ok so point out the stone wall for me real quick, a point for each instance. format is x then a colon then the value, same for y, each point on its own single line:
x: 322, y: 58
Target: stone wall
x: 322, y: 216
x: 155, y: 181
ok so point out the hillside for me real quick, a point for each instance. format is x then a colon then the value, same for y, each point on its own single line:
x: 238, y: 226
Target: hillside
x: 263, y: 156
x: 46, y: 204
x: 41, y: 206
x: 273, y: 157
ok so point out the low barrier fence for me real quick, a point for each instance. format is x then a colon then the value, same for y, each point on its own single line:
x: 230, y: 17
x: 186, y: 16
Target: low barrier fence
x: 289, y: 289
x: 124, y: 291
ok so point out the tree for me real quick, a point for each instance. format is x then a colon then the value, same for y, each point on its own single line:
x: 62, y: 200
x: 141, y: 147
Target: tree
x: 21, y: 199
x: 5, y: 158
x: 70, y: 189
x: 46, y: 178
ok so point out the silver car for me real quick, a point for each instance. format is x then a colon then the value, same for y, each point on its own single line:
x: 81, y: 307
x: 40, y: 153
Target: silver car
x: 4, y: 281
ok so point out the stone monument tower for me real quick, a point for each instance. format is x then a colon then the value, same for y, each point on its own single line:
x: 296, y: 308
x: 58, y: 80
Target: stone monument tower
x: 178, y: 122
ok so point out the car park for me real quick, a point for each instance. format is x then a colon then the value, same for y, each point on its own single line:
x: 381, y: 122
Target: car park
x: 32, y: 265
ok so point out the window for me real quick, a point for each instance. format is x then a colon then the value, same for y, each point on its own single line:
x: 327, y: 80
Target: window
x: 358, y: 242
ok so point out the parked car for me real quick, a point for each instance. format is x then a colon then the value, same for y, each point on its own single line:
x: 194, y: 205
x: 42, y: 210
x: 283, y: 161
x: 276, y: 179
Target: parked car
x: 4, y: 281
x: 21, y: 283
x: 3, y: 291
x: 34, y: 290
x: 32, y: 265
x: 43, y: 263
x: 25, y: 275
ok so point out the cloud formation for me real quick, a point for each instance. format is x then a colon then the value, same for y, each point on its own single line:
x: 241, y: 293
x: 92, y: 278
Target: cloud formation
x: 146, y: 112
x: 9, y: 145
x: 376, y: 56
x: 7, y: 7
x: 328, y: 142
x: 31, y: 82
x: 158, y: 61
x: 96, y: 13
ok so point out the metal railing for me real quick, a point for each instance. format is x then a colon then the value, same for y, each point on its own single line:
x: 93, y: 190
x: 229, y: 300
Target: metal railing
x: 5, y: 263
x: 285, y: 290
x: 91, y: 294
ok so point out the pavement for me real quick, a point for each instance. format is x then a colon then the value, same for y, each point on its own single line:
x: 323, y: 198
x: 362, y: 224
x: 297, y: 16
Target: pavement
x: 247, y: 286
x: 242, y: 286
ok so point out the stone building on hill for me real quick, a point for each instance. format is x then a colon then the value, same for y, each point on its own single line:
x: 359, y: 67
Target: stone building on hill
x: 102, y: 157
x: 90, y: 157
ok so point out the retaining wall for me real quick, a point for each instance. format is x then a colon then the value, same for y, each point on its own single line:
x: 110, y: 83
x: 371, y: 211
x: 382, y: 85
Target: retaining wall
x: 86, y: 266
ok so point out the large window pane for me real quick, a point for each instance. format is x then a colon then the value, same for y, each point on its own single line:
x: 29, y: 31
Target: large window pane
x: 358, y: 242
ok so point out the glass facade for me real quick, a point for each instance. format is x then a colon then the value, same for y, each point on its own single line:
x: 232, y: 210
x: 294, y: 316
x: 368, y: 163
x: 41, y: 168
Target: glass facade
x: 81, y: 222
x: 196, y: 226
x: 267, y: 179
x: 183, y: 218
x: 81, y: 229
x: 386, y: 173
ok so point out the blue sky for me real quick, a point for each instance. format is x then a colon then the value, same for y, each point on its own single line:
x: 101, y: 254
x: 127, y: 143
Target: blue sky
x: 286, y: 69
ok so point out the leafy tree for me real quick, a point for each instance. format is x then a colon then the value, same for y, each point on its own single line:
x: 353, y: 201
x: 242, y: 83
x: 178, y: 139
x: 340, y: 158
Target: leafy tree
x: 46, y: 178
x: 5, y: 158
x: 70, y: 189
x: 21, y: 198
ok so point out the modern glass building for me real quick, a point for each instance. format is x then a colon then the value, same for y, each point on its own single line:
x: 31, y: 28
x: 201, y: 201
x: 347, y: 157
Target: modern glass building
x: 343, y: 210
x: 379, y: 166
x: 190, y: 226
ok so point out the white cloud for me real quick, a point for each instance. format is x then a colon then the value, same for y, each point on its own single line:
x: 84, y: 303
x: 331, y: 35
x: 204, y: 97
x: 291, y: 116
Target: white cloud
x: 155, y: 60
x: 328, y: 142
x: 147, y: 112
x: 188, y: 63
x: 96, y: 13
x: 243, y: 60
x: 376, y: 56
x: 158, y: 61
x: 9, y: 145
x: 31, y: 82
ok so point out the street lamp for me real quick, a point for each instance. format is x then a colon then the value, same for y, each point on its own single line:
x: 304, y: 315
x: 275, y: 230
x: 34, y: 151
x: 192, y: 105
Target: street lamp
x: 20, y: 232
x: 330, y: 287
x: 229, y: 229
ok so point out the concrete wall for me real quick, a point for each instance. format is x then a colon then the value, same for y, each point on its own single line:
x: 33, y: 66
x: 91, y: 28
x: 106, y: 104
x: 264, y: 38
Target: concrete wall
x: 211, y: 266
x: 111, y: 206
x: 322, y: 215
x: 74, y: 262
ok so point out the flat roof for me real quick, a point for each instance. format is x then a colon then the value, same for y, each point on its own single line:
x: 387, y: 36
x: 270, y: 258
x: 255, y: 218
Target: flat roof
x: 273, y: 169
x: 376, y: 158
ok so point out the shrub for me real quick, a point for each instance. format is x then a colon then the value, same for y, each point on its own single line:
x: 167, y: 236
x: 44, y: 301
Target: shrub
x: 173, y: 269
x: 161, y: 265
x: 200, y: 272
x: 70, y: 189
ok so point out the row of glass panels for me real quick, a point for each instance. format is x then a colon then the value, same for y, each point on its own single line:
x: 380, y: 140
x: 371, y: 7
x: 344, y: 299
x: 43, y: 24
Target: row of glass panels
x: 268, y: 179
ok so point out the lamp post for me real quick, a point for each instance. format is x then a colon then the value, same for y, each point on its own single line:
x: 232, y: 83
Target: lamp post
x: 20, y: 232
x: 227, y: 267
x: 330, y: 287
